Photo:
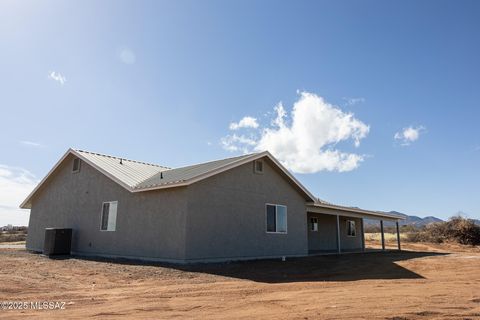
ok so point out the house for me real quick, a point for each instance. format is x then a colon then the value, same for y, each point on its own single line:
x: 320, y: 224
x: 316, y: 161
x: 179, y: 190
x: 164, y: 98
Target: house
x: 244, y: 207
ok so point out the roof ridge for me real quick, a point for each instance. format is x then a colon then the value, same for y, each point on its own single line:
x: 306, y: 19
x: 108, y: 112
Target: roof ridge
x: 221, y: 159
x: 123, y: 159
x: 234, y: 160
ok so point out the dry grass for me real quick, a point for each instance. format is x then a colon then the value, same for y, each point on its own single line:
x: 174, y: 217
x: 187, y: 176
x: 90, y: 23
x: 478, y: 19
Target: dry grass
x: 12, y: 236
x: 13, y: 243
x: 389, y: 237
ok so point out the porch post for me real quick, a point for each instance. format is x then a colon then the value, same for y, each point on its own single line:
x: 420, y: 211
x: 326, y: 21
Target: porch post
x: 363, y: 234
x: 383, y: 235
x: 338, y: 234
x: 398, y: 236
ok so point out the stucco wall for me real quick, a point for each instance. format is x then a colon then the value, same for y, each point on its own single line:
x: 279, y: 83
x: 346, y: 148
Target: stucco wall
x: 347, y: 242
x: 220, y: 218
x: 149, y: 224
x: 226, y: 216
x: 325, y: 239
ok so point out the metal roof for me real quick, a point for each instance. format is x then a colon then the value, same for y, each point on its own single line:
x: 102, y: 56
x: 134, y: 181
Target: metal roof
x: 371, y: 213
x: 130, y: 172
x: 137, y: 176
x: 184, y: 174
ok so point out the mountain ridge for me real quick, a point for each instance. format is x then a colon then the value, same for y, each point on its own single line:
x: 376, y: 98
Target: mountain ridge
x: 416, y: 221
x: 411, y: 220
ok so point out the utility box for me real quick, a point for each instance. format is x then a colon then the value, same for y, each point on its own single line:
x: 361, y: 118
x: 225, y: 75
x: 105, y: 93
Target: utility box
x: 57, y: 241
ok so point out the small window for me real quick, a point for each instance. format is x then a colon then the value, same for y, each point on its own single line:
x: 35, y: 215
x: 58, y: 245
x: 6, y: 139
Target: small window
x: 109, y: 216
x: 351, y: 231
x: 258, y: 166
x: 276, y: 218
x: 76, y: 165
x: 314, y: 224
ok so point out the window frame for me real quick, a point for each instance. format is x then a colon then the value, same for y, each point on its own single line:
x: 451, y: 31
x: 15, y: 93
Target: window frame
x: 266, y: 218
x: 109, y: 224
x: 311, y: 224
x: 79, y: 165
x: 354, y: 228
x: 255, y: 166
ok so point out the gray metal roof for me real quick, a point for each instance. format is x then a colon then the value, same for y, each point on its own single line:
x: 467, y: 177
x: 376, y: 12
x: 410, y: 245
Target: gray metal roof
x: 129, y: 172
x: 137, y: 176
x: 325, y: 204
x: 183, y: 174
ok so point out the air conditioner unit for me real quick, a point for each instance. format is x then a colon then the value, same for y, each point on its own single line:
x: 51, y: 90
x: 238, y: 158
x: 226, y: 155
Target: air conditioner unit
x: 57, y: 241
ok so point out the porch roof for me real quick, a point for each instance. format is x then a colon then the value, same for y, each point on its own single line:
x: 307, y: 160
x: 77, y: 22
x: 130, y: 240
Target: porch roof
x: 333, y: 209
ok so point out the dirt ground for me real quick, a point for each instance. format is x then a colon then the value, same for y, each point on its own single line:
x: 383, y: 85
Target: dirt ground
x: 423, y: 282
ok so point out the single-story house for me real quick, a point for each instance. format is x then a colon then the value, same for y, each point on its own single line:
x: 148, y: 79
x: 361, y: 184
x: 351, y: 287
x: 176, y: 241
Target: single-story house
x: 245, y: 207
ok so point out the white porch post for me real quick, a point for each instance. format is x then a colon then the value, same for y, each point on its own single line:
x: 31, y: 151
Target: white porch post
x: 398, y: 236
x: 338, y: 234
x: 363, y: 234
x: 383, y: 235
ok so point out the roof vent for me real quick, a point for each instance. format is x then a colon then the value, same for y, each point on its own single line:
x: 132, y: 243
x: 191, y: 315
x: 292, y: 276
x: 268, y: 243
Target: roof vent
x: 161, y: 175
x: 121, y: 161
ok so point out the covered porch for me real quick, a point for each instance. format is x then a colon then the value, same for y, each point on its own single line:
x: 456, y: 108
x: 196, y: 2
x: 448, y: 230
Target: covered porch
x: 339, y: 229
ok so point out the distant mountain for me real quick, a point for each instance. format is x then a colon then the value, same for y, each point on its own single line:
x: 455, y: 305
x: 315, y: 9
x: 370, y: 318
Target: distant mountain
x: 409, y: 221
x: 416, y: 221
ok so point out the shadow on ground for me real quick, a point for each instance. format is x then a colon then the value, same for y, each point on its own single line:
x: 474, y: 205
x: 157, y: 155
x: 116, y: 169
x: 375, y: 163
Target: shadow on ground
x: 347, y: 267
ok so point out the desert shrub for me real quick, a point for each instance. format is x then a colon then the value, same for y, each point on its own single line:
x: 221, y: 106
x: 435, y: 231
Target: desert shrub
x: 9, y: 236
x: 465, y: 231
x: 409, y: 228
x: 417, y: 236
x: 372, y: 229
x: 457, y: 229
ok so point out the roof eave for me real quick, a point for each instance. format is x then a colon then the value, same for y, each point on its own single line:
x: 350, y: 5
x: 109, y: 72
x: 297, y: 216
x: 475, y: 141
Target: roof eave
x: 357, y: 210
x: 26, y: 203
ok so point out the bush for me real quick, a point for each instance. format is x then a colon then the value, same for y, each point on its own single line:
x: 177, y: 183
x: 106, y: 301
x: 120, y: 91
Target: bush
x: 9, y: 236
x: 457, y: 229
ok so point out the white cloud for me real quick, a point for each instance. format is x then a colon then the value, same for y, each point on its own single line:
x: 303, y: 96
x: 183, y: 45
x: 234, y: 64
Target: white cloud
x: 409, y: 135
x: 353, y: 101
x: 236, y: 143
x: 305, y: 141
x: 31, y: 143
x: 245, y: 122
x: 127, y: 56
x: 15, y: 185
x: 57, y: 76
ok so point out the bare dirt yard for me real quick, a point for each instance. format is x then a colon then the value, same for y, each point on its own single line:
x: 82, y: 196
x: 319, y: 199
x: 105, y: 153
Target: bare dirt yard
x: 423, y: 282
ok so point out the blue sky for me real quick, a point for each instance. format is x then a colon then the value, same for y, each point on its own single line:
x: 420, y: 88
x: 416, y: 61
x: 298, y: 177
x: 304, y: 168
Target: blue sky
x: 162, y: 82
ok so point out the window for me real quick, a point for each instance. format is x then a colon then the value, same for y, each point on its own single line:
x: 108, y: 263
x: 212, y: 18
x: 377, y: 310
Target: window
x: 258, y: 166
x: 76, y: 165
x: 351, y: 231
x: 276, y: 218
x: 313, y: 224
x: 109, y: 216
